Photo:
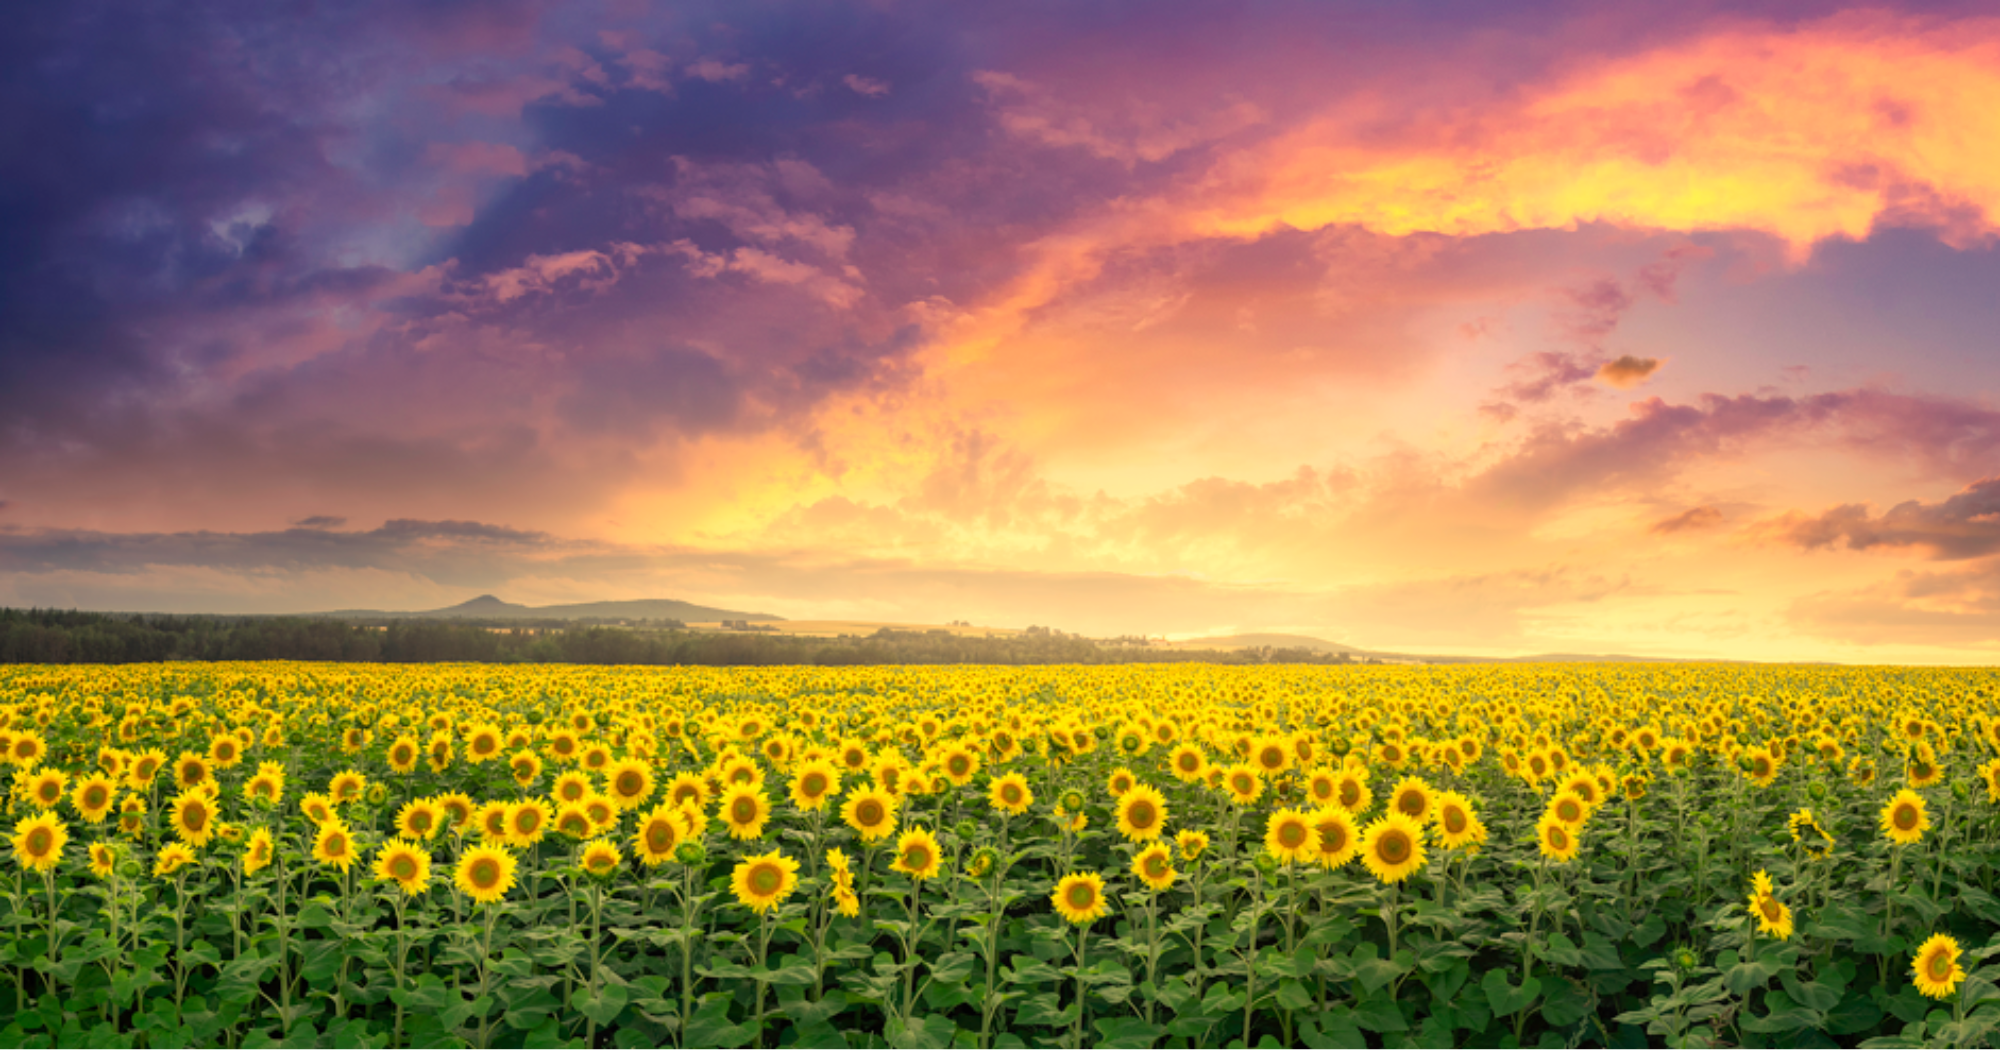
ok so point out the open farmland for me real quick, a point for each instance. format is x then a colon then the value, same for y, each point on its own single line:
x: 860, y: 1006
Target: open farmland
x: 250, y: 854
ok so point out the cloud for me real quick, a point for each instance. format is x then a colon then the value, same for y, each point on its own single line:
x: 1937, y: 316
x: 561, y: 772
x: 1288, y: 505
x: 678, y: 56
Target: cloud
x: 867, y: 86
x: 1936, y: 610
x: 1703, y: 517
x: 1965, y: 525
x: 1627, y: 371
x: 320, y: 521
x: 716, y: 71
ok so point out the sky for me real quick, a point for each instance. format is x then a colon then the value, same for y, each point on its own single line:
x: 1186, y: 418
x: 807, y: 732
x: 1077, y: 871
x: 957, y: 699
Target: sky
x: 1666, y: 329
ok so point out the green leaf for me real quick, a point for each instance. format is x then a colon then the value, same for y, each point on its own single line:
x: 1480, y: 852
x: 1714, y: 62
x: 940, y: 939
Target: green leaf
x: 604, y: 1007
x: 1380, y: 1015
x: 1507, y: 998
x: 1124, y: 1032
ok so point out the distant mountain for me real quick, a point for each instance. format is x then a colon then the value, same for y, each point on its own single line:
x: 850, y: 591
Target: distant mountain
x: 487, y: 607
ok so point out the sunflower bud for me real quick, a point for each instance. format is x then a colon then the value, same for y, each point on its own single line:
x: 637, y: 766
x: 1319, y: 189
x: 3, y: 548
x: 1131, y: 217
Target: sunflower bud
x: 1685, y: 959
x: 378, y: 793
x: 1816, y: 791
x: 1267, y: 864
x: 1960, y: 790
x: 965, y: 830
x: 692, y: 854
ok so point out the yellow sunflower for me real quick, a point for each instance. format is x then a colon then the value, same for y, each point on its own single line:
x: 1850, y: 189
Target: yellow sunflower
x: 1142, y: 813
x: 527, y: 822
x: 46, y: 787
x: 346, y: 786
x: 103, y: 860
x: 1936, y: 968
x: 1080, y: 898
x: 39, y: 841
x: 1243, y: 784
x: 1338, y: 840
x: 418, y: 819
x: 960, y: 764
x: 814, y: 784
x: 257, y: 855
x: 93, y: 797
x: 1411, y: 797
x: 334, y: 844
x: 1904, y: 819
x: 1191, y: 843
x: 403, y: 755
x: 1290, y: 837
x: 1010, y: 794
x: 172, y: 858
x: 1351, y: 791
x: 485, y: 874
x: 1322, y: 786
x: 628, y: 782
x: 573, y: 821
x: 571, y: 786
x: 660, y: 833
x: 918, y: 854
x: 763, y: 882
x: 745, y: 810
x: 525, y: 766
x: 688, y: 787
x: 402, y: 862
x: 601, y: 858
x: 1559, y: 840
x: 1154, y: 866
x: 459, y: 810
x: 1457, y: 824
x: 193, y: 817
x: 1773, y: 918
x: 871, y: 812
x: 1393, y: 847
x: 1188, y: 763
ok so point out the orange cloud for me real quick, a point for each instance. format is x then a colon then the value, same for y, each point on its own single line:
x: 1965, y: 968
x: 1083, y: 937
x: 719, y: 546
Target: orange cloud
x: 1805, y: 134
x: 1808, y: 134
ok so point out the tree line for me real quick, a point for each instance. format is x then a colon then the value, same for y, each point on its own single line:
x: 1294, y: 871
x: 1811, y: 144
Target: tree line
x: 54, y: 636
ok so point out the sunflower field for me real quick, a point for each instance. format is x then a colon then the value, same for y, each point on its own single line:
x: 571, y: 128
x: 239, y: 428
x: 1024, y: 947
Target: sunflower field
x: 1554, y: 855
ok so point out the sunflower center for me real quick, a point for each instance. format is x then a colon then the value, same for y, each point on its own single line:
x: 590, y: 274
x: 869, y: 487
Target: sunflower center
x: 1141, y: 814
x: 39, y: 841
x: 869, y: 813
x: 336, y: 845
x: 1905, y: 817
x: 1332, y: 838
x: 403, y: 868
x: 659, y: 837
x: 196, y: 818
x: 1393, y: 847
x: 1081, y: 897
x: 1769, y: 906
x: 917, y: 857
x: 743, y: 811
x: 765, y: 880
x: 1011, y: 794
x: 630, y: 783
x: 1454, y: 821
x: 1938, y: 966
x: 1350, y: 793
x: 484, y: 873
x: 814, y: 785
x: 1156, y: 866
x: 1291, y: 836
x: 1558, y: 838
x: 1411, y: 804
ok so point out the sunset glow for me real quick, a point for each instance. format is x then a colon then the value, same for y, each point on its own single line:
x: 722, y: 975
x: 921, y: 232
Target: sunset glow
x: 1652, y: 330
